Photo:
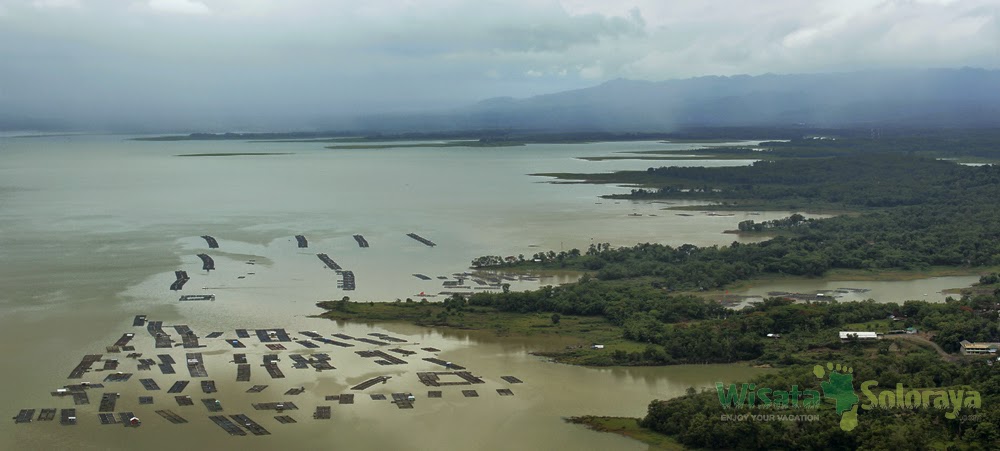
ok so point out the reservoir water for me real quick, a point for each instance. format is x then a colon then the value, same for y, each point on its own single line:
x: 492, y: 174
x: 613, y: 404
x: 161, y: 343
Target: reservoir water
x: 92, y: 229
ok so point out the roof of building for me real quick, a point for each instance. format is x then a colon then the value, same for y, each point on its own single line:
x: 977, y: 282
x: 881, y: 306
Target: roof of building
x: 847, y: 334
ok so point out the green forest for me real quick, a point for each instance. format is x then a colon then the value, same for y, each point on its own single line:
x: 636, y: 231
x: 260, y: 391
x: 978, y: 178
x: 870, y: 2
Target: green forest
x: 911, y: 210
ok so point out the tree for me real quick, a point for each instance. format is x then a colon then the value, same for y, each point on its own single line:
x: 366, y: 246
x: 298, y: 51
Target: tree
x: 556, y: 318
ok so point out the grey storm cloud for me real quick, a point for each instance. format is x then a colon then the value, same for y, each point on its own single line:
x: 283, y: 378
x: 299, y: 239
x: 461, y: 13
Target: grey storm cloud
x: 215, y: 59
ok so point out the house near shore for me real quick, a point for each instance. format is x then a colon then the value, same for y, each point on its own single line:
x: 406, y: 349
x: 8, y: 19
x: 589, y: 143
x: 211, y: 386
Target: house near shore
x: 850, y: 335
x: 978, y: 348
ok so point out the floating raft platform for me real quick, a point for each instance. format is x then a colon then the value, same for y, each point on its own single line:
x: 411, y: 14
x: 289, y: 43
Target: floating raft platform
x: 402, y: 400
x: 110, y: 365
x: 347, y: 281
x: 433, y: 379
x: 272, y: 335
x: 470, y: 393
x: 273, y: 370
x: 333, y: 342
x: 171, y: 416
x: 505, y: 392
x: 257, y: 389
x: 123, y: 341
x: 279, y: 406
x: 212, y: 404
x: 240, y: 358
x: 445, y: 364
x: 108, y: 401
x: 285, y: 419
x: 371, y: 382
x: 236, y: 343
x: 208, y: 387
x: 343, y: 336
x: 155, y: 329
x: 198, y: 297
x: 84, y: 365
x: 227, y: 425
x: 421, y: 277
x: 388, y: 338
x: 189, y: 338
x: 362, y: 242
x: 108, y: 418
x: 372, y: 342
x: 196, y: 365
x: 139, y: 321
x: 303, y: 243
x: 322, y: 413
x: 329, y: 262
x: 421, y: 239
x: 212, y: 242
x: 276, y: 347
x: 295, y: 391
x: 184, y: 401
x: 402, y: 351
x: 382, y: 357
x: 24, y: 416
x: 214, y: 334
x: 434, y: 393
x: 178, y: 387
x: 243, y: 372
x: 149, y: 384
x: 377, y: 397
x: 512, y: 379
x: 67, y: 417
x: 346, y: 398
x: 242, y: 333
x: 250, y: 425
x: 118, y: 377
x: 431, y: 349
x: 207, y: 264
x: 182, y: 278
x: 145, y: 400
x: 308, y: 344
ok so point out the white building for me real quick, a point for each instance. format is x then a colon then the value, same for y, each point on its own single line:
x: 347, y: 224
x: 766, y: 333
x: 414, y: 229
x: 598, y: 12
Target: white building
x: 847, y: 335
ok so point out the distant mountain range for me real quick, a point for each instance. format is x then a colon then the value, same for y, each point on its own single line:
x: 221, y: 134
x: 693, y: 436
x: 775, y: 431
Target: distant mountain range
x: 935, y: 97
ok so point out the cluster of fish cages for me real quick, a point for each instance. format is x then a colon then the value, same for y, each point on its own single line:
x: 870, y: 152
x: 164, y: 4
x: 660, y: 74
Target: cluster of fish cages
x: 421, y: 239
x: 362, y: 242
x: 347, y: 281
x: 212, y: 242
x: 207, y: 264
x: 301, y: 239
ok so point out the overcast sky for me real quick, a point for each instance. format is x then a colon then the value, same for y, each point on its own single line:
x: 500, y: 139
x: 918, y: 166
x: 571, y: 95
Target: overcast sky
x: 61, y: 58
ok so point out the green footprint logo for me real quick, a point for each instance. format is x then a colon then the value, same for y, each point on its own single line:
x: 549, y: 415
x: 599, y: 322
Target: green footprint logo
x: 840, y: 388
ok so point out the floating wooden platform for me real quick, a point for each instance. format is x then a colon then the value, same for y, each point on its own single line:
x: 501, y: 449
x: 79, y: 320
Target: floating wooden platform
x: 249, y: 424
x: 214, y: 335
x: 505, y: 392
x: 181, y: 279
x: 84, y: 365
x: 67, y: 417
x: 333, y: 342
x: 108, y: 401
x: 303, y: 243
x: 434, y: 393
x: 421, y: 277
x: 421, y: 239
x: 155, y: 329
x: 381, y: 357
x: 362, y: 242
x: 207, y: 264
x: 257, y: 389
x: 433, y: 379
x: 276, y: 347
x: 47, y: 415
x: 285, y: 419
x: 243, y: 372
x: 347, y: 281
x: 212, y: 404
x: 184, y: 400
x: 171, y: 416
x: 236, y: 343
x: 308, y: 344
x: 139, y: 321
x: 402, y: 400
x: 377, y: 397
x: 149, y: 384
x: 512, y: 379
x: 273, y: 370
x: 470, y: 393
x: 239, y: 358
x: 226, y: 425
x: 279, y: 406
x: 445, y: 364
x: 346, y: 398
x: 386, y: 337
x: 343, y: 336
x: 24, y: 416
x: 272, y: 335
x: 322, y: 413
x: 402, y: 351
x: 196, y: 364
x: 125, y: 338
x: 371, y: 382
x: 295, y: 391
x: 212, y: 242
x: 208, y: 387
x: 118, y: 377
x: 198, y: 297
x: 178, y: 387
x: 108, y: 418
x: 329, y: 262
x: 145, y: 400
x: 372, y: 342
x: 431, y: 349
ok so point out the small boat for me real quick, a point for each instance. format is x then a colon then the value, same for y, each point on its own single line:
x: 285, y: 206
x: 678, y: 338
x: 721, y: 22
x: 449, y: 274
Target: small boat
x: 134, y: 422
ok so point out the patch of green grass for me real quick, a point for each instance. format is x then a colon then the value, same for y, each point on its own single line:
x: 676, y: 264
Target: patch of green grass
x: 630, y: 428
x: 569, y: 341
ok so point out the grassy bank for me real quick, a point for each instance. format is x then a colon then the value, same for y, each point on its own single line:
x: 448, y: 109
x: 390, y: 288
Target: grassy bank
x: 629, y: 427
x: 570, y: 338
